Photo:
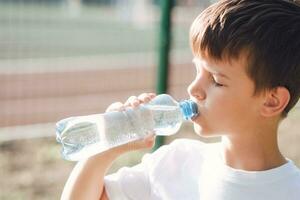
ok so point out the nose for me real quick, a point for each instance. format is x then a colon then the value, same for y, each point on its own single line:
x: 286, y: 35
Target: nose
x: 195, y: 90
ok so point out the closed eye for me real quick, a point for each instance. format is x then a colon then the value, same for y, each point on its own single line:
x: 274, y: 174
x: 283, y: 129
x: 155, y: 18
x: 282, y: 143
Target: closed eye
x: 216, y: 83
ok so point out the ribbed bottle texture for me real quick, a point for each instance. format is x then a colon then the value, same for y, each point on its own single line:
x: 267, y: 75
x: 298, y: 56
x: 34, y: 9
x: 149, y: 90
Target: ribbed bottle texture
x: 84, y: 136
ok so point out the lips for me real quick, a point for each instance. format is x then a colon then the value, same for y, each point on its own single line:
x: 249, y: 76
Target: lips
x: 195, y: 118
x: 198, y: 109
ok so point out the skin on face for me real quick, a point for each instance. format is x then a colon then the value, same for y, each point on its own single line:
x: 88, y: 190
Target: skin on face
x: 224, y: 94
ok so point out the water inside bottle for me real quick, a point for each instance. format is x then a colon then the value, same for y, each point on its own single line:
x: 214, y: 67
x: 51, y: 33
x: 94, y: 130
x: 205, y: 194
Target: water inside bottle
x: 166, y: 123
x: 77, y: 134
x: 85, y: 136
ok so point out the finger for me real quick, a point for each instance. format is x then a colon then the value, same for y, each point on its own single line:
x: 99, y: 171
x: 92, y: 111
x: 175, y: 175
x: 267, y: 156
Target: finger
x: 117, y: 106
x: 145, y: 97
x: 152, y: 95
x: 149, y: 140
x: 143, y: 143
x: 132, y: 101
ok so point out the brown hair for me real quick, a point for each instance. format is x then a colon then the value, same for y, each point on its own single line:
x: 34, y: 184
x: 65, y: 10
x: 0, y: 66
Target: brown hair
x: 268, y: 30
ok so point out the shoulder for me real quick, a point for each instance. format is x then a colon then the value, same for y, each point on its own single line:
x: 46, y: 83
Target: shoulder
x: 188, y: 142
x: 179, y: 146
x: 189, y: 147
x: 290, y: 181
x: 292, y: 174
x: 176, y: 168
x: 179, y: 151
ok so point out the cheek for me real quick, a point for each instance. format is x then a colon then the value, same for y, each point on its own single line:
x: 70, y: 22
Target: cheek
x: 222, y: 112
x: 218, y: 105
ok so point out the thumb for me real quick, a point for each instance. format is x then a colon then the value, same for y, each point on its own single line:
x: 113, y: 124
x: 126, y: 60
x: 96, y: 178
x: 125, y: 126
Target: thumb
x: 144, y: 143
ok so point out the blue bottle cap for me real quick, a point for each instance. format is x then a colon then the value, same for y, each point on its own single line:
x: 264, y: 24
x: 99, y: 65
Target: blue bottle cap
x: 189, y: 109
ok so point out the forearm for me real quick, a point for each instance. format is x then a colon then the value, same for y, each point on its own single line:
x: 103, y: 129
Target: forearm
x: 87, y: 178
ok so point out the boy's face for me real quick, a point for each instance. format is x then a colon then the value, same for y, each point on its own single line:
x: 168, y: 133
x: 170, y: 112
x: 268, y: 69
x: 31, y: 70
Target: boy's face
x: 224, y: 94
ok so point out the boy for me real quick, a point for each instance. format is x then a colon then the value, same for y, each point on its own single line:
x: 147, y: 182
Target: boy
x: 247, y: 56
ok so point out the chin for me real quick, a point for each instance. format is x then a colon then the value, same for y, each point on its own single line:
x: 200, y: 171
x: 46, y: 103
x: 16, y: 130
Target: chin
x: 199, y: 130
x: 202, y: 131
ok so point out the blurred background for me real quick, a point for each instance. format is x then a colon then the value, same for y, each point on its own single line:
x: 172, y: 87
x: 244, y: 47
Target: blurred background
x: 61, y: 58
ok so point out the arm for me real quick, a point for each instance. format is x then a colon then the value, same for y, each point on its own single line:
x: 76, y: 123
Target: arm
x: 86, y: 181
x: 87, y: 178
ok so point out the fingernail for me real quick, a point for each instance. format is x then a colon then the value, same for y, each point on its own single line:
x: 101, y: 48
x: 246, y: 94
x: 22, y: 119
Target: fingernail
x: 147, y: 99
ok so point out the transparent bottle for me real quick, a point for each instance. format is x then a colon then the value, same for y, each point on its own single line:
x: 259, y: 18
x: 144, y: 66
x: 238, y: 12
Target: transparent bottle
x: 84, y: 136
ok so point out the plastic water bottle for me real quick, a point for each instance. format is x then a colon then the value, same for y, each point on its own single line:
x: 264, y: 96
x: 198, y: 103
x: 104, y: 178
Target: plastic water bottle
x: 84, y: 136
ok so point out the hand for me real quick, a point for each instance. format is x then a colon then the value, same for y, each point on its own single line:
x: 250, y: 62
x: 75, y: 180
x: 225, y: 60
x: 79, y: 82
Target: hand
x: 133, y: 102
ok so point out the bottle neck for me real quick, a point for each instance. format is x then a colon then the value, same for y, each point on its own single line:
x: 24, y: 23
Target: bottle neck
x: 189, y: 109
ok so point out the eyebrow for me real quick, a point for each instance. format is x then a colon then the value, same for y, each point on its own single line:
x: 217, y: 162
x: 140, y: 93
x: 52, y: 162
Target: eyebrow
x: 195, y: 61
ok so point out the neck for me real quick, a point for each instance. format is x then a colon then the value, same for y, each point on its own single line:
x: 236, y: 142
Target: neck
x: 252, y: 152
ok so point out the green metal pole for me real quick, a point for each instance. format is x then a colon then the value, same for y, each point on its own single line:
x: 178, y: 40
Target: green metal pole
x: 164, y: 48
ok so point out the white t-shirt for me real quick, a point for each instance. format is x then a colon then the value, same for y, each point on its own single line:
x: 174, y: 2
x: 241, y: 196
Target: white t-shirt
x: 192, y: 170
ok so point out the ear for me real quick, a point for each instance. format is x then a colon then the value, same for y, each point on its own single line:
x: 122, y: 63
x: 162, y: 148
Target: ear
x: 275, y: 101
